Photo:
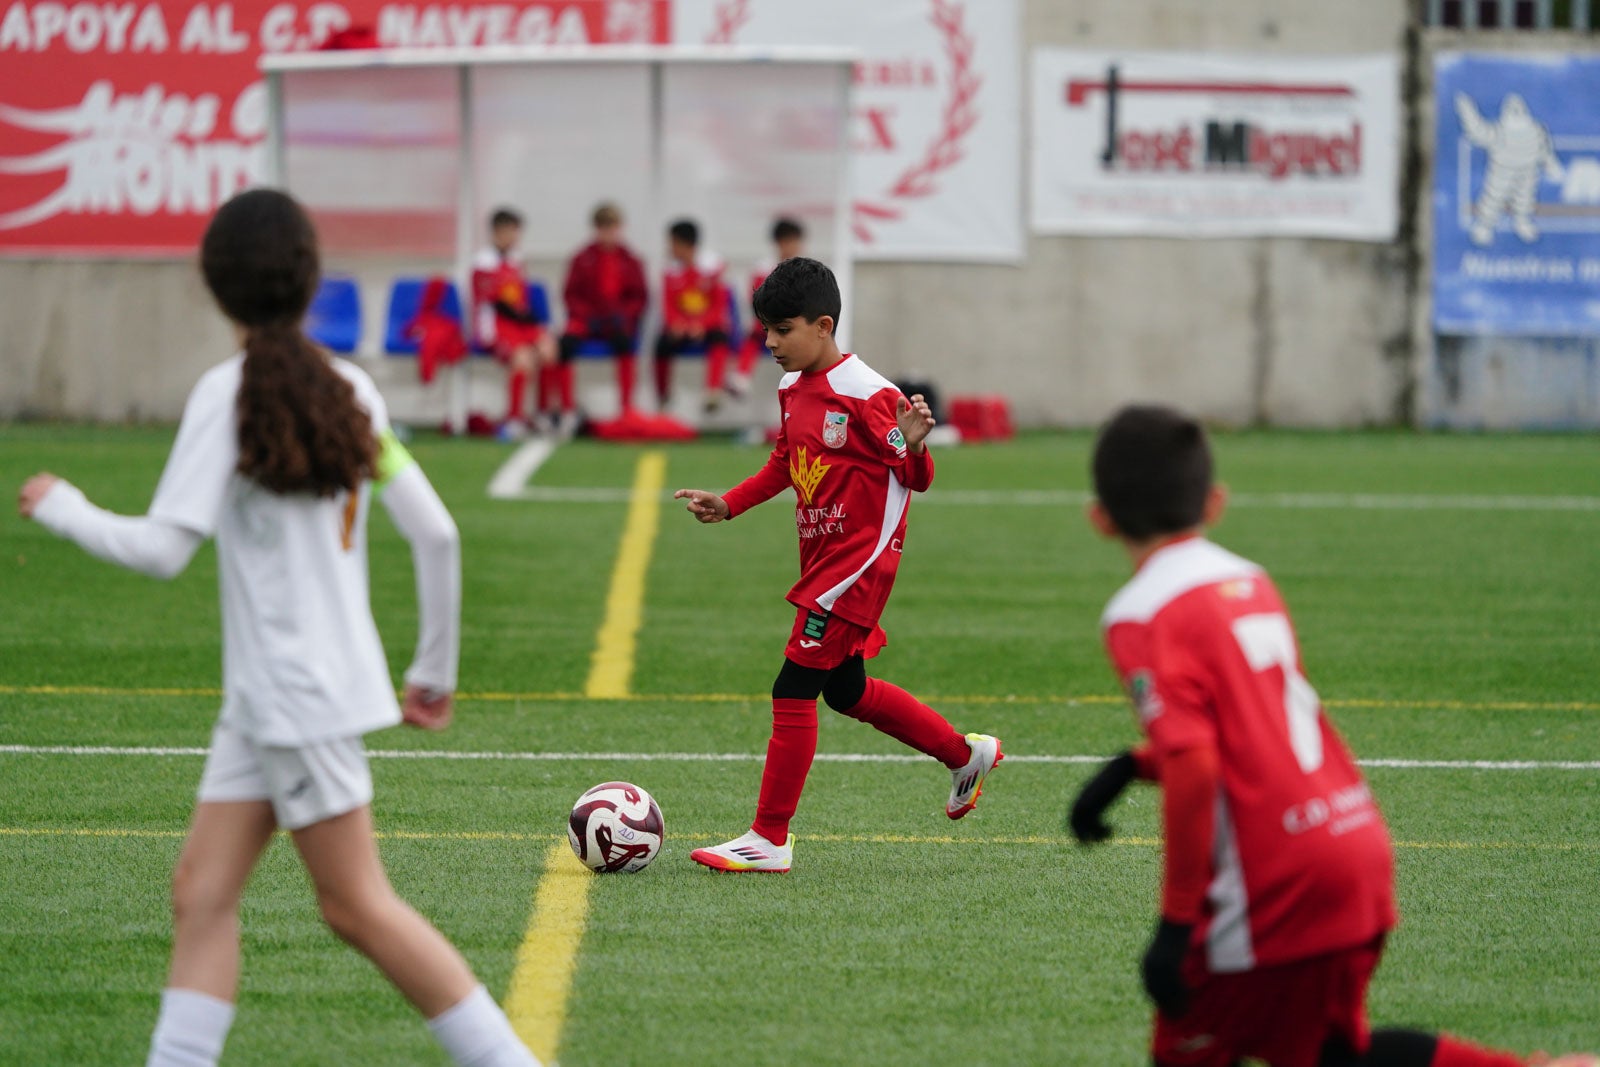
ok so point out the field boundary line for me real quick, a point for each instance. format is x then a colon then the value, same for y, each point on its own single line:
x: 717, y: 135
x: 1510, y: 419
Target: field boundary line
x: 514, y: 474
x: 611, y: 667
x: 1389, y: 763
x: 541, y: 981
x: 1019, y: 699
x: 561, y: 852
x: 1077, y: 498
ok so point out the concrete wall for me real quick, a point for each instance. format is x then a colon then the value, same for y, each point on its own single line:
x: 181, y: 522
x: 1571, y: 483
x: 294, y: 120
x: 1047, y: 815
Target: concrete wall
x: 1284, y: 331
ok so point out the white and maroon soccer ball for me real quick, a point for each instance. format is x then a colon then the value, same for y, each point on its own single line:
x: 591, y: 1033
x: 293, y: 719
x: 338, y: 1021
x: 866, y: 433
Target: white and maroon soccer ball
x: 616, y: 827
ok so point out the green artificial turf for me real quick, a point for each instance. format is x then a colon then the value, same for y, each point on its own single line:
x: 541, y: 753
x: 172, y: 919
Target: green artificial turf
x: 1465, y: 632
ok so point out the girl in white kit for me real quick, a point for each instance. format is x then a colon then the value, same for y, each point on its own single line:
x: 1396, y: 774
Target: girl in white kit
x: 279, y: 455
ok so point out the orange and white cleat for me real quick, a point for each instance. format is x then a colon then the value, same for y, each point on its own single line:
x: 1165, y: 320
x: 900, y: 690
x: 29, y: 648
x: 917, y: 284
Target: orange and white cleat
x: 966, y: 781
x: 750, y: 852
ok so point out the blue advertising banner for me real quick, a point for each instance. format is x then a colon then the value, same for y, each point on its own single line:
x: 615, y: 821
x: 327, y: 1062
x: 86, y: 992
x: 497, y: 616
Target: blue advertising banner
x: 1516, y: 196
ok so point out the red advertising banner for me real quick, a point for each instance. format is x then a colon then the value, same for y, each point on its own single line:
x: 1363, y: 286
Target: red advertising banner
x: 124, y: 123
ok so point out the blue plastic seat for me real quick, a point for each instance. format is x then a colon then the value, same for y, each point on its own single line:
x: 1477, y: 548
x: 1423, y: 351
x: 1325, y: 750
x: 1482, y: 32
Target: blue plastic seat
x: 334, y: 319
x: 405, y: 296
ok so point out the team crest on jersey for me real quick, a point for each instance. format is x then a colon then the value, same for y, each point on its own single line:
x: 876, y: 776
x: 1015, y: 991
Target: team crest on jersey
x: 897, y: 441
x: 834, y: 428
x: 1142, y: 691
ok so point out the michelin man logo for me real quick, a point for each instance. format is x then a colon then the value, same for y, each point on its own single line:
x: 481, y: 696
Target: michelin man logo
x: 1519, y: 148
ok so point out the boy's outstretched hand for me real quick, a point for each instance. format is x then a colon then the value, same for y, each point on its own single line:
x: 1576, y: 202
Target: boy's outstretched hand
x: 707, y: 507
x: 915, y: 419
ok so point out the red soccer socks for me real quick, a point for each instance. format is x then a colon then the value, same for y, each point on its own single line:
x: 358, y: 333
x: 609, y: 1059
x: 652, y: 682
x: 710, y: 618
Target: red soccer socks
x: 789, y: 755
x: 892, y: 710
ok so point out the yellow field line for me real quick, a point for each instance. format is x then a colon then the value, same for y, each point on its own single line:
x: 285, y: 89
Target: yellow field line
x: 560, y: 854
x: 541, y: 981
x: 611, y: 670
x: 536, y: 1000
x: 1021, y: 700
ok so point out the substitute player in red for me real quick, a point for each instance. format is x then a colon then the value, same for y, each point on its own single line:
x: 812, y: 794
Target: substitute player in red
x: 852, y: 448
x: 1278, y: 887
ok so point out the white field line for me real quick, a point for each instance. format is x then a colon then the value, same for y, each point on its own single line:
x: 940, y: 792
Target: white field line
x: 1077, y: 498
x: 757, y: 757
x: 512, y: 478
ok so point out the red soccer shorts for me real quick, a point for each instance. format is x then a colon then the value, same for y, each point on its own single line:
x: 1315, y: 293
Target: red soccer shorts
x: 1282, y: 1015
x: 825, y: 641
x: 510, y: 335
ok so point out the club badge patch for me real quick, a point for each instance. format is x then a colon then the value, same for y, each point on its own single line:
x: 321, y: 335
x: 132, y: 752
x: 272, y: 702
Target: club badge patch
x: 897, y: 441
x: 834, y: 428
x: 1142, y: 690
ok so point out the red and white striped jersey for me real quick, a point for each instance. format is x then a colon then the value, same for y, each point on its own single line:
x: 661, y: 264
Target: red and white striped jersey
x: 841, y: 450
x: 1301, y: 862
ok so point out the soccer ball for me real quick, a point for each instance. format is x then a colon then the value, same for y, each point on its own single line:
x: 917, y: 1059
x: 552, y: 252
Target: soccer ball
x: 616, y: 826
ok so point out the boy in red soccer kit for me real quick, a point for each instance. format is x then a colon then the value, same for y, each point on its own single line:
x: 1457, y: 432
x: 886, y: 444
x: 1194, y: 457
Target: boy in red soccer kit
x: 506, y: 324
x: 1278, y: 883
x: 694, y: 310
x: 852, y: 448
x: 605, y: 296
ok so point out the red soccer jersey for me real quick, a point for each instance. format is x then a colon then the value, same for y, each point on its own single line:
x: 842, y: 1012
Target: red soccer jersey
x: 693, y: 297
x: 1301, y: 862
x: 497, y: 280
x: 841, y: 450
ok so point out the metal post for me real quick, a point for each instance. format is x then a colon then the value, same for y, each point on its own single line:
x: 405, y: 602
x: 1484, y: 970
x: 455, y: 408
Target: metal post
x: 1435, y: 12
x: 1469, y: 14
x: 650, y: 321
x: 277, y: 166
x: 465, y: 230
x: 843, y: 206
x: 1544, y: 14
x: 1580, y: 15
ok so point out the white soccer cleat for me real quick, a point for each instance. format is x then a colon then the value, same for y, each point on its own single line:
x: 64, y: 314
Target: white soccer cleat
x: 966, y: 781
x: 750, y: 852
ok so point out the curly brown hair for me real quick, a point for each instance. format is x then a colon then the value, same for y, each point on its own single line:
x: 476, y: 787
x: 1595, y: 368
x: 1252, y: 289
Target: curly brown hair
x: 301, y: 429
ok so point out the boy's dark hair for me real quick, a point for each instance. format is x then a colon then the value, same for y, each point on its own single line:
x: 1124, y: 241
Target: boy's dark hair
x: 786, y: 229
x: 1152, y: 471
x: 301, y: 429
x: 504, y: 216
x: 686, y: 231
x: 798, y: 286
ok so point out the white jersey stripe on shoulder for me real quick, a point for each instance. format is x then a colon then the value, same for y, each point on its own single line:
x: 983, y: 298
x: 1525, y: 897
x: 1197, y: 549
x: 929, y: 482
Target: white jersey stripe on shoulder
x: 1172, y: 572
x: 895, y: 500
x: 788, y: 380
x: 856, y: 380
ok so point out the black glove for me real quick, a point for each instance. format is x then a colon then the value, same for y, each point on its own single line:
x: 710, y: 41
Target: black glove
x: 1163, y: 968
x: 1098, y: 794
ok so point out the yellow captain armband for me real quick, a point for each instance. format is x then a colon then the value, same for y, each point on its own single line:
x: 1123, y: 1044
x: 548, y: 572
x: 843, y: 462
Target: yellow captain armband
x: 392, y: 459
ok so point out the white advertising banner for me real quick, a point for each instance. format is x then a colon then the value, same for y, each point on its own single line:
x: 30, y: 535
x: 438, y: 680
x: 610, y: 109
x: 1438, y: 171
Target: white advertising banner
x: 937, y: 129
x: 1191, y: 145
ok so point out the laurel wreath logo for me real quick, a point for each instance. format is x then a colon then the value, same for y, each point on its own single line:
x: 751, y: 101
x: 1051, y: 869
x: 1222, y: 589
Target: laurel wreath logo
x: 959, y: 116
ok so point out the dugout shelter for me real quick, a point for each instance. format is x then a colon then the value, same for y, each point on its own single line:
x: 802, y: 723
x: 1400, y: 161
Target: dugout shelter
x: 401, y: 154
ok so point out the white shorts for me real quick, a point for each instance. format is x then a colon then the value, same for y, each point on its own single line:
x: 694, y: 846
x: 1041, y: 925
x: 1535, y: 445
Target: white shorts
x: 306, y: 785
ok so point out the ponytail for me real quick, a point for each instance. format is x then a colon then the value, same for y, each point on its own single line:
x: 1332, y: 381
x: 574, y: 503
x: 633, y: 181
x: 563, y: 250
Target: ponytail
x: 300, y: 427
